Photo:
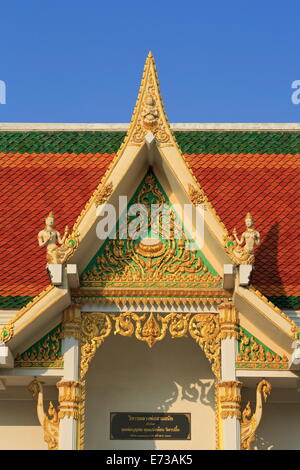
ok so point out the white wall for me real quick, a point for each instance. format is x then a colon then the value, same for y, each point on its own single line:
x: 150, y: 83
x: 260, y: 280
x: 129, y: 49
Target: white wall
x: 173, y: 376
x: 19, y: 426
x: 279, y: 428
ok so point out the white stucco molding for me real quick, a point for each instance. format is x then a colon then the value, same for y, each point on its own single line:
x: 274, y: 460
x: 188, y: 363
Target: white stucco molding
x: 122, y: 127
x: 264, y: 320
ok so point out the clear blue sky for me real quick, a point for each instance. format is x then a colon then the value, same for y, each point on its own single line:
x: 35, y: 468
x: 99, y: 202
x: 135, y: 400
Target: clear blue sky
x: 218, y: 61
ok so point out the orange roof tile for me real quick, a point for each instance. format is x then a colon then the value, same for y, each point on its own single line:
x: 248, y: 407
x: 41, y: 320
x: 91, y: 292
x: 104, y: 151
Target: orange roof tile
x: 267, y: 185
x: 30, y: 186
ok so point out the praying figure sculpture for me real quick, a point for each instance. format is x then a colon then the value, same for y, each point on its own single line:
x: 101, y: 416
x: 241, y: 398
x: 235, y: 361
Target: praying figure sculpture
x: 243, y: 249
x: 51, y: 239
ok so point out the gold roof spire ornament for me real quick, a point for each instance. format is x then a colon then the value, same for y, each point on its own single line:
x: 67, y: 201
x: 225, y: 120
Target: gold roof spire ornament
x: 149, y: 114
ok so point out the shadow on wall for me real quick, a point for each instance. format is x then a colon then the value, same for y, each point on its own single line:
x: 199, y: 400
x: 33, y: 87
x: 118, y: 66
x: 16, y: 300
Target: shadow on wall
x: 126, y: 375
x: 266, y: 264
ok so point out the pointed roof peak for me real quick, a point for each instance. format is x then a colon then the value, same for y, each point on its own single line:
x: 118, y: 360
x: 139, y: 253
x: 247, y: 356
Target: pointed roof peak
x: 149, y: 114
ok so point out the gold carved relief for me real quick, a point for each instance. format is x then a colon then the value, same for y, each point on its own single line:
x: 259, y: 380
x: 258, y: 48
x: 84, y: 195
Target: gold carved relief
x: 95, y: 327
x: 152, y: 330
x: 69, y: 398
x: 196, y: 195
x: 104, y: 193
x: 250, y: 421
x: 71, y: 324
x: 149, y: 114
x: 230, y: 399
x: 50, y: 421
x: 205, y: 330
x: 229, y: 322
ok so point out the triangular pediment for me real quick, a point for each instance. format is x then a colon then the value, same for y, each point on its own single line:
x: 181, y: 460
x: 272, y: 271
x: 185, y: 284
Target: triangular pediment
x: 163, y: 254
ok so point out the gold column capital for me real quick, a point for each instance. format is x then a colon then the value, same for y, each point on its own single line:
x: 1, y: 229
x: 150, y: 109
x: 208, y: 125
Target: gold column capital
x: 71, y: 324
x: 229, y: 321
x: 69, y: 398
x: 230, y: 399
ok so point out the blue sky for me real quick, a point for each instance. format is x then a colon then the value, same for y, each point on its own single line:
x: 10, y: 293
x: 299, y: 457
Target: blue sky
x: 81, y: 61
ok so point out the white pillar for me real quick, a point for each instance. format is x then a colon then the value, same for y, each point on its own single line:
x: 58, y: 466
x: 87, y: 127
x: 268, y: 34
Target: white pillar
x: 229, y: 387
x: 69, y: 386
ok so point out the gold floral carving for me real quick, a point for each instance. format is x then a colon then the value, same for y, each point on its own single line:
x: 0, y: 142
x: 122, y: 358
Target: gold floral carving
x: 153, y: 261
x: 250, y: 421
x: 151, y: 330
x: 205, y: 330
x: 71, y: 324
x: 196, y: 195
x: 230, y: 399
x: 229, y: 322
x: 252, y: 352
x: 50, y: 421
x: 104, y: 193
x: 69, y: 399
x: 95, y: 327
x: 149, y: 114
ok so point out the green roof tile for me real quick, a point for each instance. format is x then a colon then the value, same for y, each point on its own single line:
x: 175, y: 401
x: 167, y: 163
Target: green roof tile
x: 11, y: 302
x: 286, y: 302
x: 189, y: 142
x: 238, y: 142
x: 61, y: 142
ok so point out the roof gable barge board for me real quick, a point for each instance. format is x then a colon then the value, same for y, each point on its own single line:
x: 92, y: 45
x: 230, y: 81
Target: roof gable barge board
x: 38, y: 317
x: 262, y: 321
x: 125, y: 177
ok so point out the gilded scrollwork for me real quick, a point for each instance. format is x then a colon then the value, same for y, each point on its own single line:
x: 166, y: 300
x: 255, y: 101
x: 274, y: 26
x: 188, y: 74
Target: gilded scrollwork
x: 49, y: 421
x: 95, y: 327
x: 103, y: 194
x: 250, y: 421
x: 205, y: 330
x: 253, y: 354
x: 161, y: 257
x: 196, y: 195
x: 153, y: 329
x: 44, y: 353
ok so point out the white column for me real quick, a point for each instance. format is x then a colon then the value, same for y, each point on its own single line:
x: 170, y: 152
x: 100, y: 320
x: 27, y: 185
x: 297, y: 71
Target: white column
x: 69, y: 386
x: 229, y: 387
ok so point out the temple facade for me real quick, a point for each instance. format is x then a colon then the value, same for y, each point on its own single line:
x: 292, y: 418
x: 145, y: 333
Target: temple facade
x: 150, y: 285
